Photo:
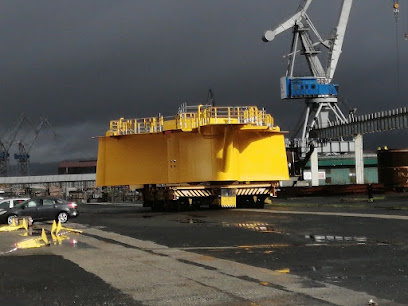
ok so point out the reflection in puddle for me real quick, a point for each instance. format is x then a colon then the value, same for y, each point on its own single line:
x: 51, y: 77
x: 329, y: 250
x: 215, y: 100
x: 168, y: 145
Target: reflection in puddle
x: 337, y: 279
x: 332, y: 238
x: 255, y: 226
x: 191, y: 220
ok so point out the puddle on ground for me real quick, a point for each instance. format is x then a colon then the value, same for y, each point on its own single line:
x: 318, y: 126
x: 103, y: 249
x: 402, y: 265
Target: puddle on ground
x: 255, y: 226
x: 308, y: 283
x: 335, y: 238
x: 100, y: 227
x: 31, y: 233
x: 75, y: 243
x: 36, y: 237
x: 70, y: 242
x: 191, y: 220
x: 337, y: 279
x: 197, y: 216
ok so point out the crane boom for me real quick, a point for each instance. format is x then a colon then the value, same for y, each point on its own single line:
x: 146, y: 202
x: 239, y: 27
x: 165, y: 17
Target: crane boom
x: 37, y: 131
x: 23, y: 155
x: 288, y: 24
x: 338, y: 39
x: 317, y: 85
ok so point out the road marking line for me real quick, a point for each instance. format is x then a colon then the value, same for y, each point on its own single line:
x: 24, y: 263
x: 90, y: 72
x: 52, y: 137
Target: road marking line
x: 319, y: 213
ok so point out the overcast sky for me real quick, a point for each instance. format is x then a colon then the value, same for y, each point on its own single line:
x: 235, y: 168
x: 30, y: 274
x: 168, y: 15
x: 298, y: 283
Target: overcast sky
x: 83, y: 63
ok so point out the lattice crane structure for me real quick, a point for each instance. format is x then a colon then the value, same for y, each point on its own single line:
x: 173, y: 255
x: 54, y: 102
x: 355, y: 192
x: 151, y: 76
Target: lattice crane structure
x: 6, y: 144
x: 322, y: 112
x: 317, y: 89
x: 23, y: 155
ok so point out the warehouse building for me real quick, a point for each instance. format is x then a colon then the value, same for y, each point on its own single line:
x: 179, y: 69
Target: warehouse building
x: 340, y: 169
x: 74, y: 186
x: 77, y: 167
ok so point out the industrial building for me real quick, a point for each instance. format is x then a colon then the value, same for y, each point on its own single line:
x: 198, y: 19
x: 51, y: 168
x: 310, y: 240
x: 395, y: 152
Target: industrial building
x: 77, y: 167
x: 341, y: 169
x: 74, y: 186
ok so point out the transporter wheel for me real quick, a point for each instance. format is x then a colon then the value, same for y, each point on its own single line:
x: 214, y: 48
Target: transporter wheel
x: 182, y: 204
x: 196, y: 204
x: 179, y: 205
x: 260, y: 202
x: 155, y: 207
x: 245, y: 202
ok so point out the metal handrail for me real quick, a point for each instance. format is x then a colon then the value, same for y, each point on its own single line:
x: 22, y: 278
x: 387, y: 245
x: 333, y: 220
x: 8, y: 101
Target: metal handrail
x: 205, y: 115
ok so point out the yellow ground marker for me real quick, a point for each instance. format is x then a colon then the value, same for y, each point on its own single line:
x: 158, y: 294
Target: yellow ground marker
x: 53, y: 227
x: 14, y: 226
x: 283, y: 271
x: 34, y: 242
x: 59, y: 228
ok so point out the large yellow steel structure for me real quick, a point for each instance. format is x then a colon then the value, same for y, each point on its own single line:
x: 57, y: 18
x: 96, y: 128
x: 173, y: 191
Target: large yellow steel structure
x: 209, y: 144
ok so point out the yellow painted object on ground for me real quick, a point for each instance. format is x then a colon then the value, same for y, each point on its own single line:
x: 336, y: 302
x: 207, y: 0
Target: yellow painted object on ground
x: 56, y: 228
x: 285, y: 271
x: 34, y: 242
x: 15, y: 226
x: 211, y: 144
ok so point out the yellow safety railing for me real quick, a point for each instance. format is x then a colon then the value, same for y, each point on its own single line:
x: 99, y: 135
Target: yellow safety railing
x: 187, y: 121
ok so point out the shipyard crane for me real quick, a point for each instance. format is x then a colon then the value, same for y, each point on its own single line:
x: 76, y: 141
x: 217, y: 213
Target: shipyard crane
x: 317, y: 89
x: 6, y: 145
x: 23, y: 156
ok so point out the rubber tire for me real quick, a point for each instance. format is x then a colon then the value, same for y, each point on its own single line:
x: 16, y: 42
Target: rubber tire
x: 9, y: 219
x: 62, y: 217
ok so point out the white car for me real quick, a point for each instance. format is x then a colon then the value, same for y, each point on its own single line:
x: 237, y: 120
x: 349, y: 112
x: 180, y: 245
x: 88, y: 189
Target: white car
x: 10, y: 203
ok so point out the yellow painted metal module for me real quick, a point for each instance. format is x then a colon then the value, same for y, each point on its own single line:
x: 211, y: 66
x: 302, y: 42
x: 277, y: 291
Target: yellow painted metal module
x: 205, y: 155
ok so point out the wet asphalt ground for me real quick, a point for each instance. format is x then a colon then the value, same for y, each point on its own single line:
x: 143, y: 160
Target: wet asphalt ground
x: 357, y: 245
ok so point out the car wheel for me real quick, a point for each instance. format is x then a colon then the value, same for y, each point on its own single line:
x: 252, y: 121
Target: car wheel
x: 62, y: 217
x: 10, y: 219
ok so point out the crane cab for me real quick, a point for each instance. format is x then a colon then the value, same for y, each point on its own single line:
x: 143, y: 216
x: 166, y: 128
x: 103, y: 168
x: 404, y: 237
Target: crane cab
x: 306, y: 87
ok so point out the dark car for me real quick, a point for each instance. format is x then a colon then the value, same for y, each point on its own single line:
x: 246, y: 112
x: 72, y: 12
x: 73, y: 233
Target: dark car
x: 42, y: 209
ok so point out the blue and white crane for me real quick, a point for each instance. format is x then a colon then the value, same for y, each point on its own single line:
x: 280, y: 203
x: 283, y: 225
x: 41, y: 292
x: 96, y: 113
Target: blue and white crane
x: 316, y: 88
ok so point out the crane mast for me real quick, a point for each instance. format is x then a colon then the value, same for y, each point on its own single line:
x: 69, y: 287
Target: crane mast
x: 6, y: 145
x: 23, y: 155
x: 316, y: 89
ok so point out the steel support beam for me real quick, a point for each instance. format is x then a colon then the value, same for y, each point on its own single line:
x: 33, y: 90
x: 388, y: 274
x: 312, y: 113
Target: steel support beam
x: 314, y: 168
x: 359, y: 159
x: 364, y: 124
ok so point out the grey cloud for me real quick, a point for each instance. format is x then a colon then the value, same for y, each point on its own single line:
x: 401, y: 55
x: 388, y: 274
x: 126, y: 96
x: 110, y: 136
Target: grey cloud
x: 83, y: 63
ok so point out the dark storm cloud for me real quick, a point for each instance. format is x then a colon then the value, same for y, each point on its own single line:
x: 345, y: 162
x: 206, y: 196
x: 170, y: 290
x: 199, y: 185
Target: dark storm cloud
x: 83, y: 63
